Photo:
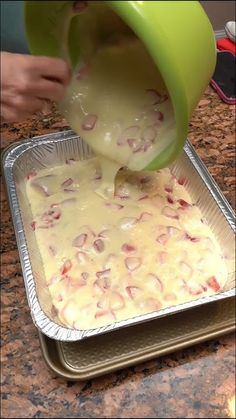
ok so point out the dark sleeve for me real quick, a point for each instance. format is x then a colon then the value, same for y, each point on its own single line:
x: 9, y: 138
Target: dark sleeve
x: 13, y: 37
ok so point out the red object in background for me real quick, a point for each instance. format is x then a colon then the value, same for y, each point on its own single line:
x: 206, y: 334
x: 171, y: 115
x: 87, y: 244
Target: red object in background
x: 223, y: 79
x: 225, y: 44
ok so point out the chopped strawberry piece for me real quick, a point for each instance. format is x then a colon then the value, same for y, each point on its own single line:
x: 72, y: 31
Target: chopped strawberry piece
x: 162, y: 239
x: 48, y: 225
x: 143, y: 197
x: 130, y: 132
x: 134, y: 144
x: 45, y: 185
x: 173, y: 230
x: 170, y: 213
x: 154, y: 280
x: 182, y: 180
x: 183, y: 203
x: 33, y: 225
x: 67, y: 265
x: 154, y: 97
x: 104, y: 233
x: 169, y: 189
x: 84, y: 275
x: 67, y: 183
x: 197, y: 290
x: 43, y: 190
x: 192, y: 239
x: 99, y: 314
x: 55, y: 213
x: 132, y: 263
x: 213, y: 283
x: 122, y: 195
x: 128, y: 248
x: 49, y: 217
x: 103, y: 274
x: 170, y: 199
x: 133, y: 291
x: 89, y: 122
x: 145, y: 216
x: 97, y: 177
x: 152, y: 304
x: 113, y: 205
x: 30, y: 175
x: 99, y: 245
x: 154, y: 117
x: 80, y: 240
x: 102, y: 283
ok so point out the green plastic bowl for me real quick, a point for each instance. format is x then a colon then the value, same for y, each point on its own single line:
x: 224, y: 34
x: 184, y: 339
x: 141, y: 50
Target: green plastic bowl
x: 177, y: 34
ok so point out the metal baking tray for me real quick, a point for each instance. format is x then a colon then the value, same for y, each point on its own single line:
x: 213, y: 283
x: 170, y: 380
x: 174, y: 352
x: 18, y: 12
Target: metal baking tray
x: 104, y: 354
x: 53, y: 150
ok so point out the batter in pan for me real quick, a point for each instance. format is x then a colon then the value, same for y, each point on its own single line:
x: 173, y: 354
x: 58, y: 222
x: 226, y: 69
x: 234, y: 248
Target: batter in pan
x: 110, y: 257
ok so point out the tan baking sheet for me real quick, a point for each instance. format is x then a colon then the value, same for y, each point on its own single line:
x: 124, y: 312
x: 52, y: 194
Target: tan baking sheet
x: 106, y: 353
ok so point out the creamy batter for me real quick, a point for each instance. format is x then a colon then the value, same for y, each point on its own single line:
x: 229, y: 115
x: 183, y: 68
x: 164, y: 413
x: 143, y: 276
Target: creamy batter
x: 111, y: 257
x: 118, y: 103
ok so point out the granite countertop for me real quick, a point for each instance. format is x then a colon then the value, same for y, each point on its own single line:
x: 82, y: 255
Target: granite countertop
x: 196, y: 382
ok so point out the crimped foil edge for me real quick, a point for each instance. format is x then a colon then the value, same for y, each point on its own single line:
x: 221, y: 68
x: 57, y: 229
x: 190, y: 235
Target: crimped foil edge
x: 40, y: 319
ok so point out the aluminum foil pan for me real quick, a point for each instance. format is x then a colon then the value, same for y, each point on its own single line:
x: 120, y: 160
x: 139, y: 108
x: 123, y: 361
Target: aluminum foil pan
x: 53, y: 150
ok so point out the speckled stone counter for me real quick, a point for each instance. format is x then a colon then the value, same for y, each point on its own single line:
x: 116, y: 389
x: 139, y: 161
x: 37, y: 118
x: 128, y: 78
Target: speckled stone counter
x: 194, y: 383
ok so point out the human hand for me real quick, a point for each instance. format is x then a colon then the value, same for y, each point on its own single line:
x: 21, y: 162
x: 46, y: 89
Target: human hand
x: 28, y: 81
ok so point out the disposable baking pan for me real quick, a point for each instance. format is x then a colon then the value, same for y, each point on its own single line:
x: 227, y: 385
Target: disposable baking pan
x: 53, y: 150
x: 104, y: 354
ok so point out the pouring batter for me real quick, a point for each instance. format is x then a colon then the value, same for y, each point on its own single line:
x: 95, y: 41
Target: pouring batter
x: 118, y: 103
